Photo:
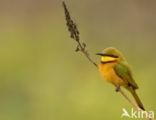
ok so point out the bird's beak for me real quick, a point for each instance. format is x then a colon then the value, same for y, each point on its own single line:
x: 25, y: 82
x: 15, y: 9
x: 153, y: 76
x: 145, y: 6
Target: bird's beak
x: 101, y: 54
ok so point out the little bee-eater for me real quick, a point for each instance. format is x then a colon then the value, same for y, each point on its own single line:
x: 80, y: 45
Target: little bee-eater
x: 115, y: 69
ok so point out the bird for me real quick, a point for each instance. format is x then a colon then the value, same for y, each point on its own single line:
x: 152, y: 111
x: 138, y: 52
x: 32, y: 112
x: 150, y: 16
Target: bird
x: 115, y: 69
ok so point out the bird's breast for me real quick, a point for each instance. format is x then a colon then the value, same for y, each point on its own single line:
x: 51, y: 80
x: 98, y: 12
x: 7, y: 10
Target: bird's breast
x: 108, y: 73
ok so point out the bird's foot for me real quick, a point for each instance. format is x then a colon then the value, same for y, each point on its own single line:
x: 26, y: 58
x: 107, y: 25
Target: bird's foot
x: 117, y: 88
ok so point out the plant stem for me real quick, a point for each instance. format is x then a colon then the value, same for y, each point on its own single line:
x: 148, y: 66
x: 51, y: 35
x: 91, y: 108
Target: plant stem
x: 81, y: 47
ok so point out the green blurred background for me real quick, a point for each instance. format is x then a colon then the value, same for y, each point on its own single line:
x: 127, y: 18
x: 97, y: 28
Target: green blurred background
x: 42, y: 78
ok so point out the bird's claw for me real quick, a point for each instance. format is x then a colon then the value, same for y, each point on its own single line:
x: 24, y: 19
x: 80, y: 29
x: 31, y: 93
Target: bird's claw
x: 117, y: 88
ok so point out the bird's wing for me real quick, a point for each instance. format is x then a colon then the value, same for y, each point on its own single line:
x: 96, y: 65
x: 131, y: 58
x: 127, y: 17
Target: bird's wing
x: 123, y: 71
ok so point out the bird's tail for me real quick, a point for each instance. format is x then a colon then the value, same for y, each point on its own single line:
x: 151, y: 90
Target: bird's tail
x: 137, y: 99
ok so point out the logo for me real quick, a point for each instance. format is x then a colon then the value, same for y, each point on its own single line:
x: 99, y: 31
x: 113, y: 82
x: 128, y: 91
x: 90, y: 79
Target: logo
x: 137, y: 113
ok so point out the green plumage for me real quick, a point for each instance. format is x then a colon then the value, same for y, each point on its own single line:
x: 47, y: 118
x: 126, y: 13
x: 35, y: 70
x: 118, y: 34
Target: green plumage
x: 113, y: 57
x: 123, y: 71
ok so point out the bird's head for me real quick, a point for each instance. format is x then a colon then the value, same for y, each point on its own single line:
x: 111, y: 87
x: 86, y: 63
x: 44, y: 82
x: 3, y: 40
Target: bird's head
x: 111, y: 54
